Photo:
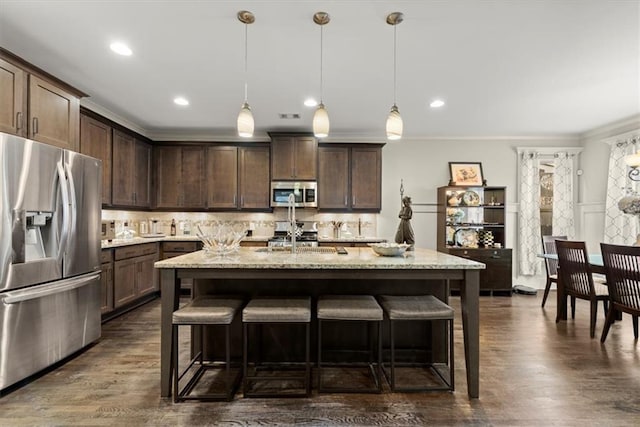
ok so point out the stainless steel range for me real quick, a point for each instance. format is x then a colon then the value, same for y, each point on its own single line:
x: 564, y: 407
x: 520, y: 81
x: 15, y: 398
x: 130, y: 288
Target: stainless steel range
x: 306, y: 234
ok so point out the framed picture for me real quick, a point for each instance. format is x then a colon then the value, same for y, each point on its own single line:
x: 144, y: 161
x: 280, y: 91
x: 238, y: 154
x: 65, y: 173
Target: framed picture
x: 466, y: 173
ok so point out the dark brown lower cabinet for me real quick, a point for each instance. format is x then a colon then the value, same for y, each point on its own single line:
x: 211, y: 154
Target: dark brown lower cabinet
x: 134, y: 275
x: 106, y: 280
x: 125, y: 282
x: 497, y: 275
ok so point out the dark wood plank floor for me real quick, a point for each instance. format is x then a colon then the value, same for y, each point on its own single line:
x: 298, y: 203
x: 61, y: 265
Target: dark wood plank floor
x: 533, y: 373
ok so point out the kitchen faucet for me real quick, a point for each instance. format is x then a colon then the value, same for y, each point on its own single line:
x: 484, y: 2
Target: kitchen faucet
x: 291, y: 216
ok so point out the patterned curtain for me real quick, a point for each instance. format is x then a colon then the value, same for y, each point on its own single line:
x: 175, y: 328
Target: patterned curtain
x: 563, y: 213
x: 620, y: 228
x: 529, y: 243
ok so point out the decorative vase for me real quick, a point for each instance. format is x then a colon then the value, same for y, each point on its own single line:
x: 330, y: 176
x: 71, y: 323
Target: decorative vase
x: 631, y: 205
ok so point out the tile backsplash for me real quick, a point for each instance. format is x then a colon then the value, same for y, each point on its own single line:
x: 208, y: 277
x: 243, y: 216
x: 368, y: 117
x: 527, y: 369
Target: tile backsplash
x: 261, y: 224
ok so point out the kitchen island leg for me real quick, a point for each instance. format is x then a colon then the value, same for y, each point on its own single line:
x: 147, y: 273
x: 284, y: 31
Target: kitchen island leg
x: 170, y: 291
x: 469, y: 301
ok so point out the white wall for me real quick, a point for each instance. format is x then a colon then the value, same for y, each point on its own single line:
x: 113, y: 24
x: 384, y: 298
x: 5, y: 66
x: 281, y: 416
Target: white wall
x: 424, y: 166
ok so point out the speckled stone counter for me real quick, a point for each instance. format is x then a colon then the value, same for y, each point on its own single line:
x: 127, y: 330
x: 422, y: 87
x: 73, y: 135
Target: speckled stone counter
x: 347, y: 240
x: 361, y: 270
x: 356, y: 259
x: 115, y: 243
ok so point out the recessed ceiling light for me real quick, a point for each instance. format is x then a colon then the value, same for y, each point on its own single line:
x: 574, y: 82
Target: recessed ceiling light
x: 436, y: 103
x: 181, y: 101
x: 121, y: 48
x: 310, y: 102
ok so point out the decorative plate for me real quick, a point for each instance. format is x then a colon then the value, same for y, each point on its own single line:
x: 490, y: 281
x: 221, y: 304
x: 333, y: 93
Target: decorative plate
x: 455, y: 215
x: 467, y: 237
x: 471, y: 198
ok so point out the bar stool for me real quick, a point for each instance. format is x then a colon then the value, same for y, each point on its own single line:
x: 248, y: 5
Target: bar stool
x: 420, y: 308
x: 206, y: 310
x: 351, y: 308
x: 263, y: 311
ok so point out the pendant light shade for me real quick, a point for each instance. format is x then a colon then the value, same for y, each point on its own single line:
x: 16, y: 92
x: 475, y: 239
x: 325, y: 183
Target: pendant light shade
x: 245, y: 122
x: 321, y: 117
x: 394, y: 124
x: 394, y: 121
x: 321, y: 122
x: 245, y: 117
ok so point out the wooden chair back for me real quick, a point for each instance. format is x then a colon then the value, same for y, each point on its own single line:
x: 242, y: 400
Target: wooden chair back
x: 549, y: 247
x: 622, y: 267
x: 573, y: 261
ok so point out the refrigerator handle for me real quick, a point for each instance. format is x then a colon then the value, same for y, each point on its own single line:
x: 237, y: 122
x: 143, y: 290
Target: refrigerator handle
x: 43, y: 291
x: 65, y: 211
x: 73, y: 213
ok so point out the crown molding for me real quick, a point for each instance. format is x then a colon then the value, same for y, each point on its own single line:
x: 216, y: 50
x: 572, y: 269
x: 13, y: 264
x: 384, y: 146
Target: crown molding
x: 614, y: 130
x: 114, y: 117
x: 629, y: 126
x: 229, y: 135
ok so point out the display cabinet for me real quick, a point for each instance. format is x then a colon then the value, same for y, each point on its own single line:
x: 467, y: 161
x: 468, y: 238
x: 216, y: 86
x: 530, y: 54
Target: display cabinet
x: 471, y: 224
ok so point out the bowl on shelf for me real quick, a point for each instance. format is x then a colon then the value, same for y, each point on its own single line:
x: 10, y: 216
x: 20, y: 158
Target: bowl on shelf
x: 222, y: 239
x: 389, y: 249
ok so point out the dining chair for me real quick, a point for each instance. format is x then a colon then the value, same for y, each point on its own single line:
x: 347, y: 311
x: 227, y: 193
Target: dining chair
x: 551, y: 265
x: 577, y: 279
x: 622, y: 268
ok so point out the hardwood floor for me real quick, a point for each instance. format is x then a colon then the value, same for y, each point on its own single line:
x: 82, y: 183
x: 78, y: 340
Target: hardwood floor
x: 533, y: 372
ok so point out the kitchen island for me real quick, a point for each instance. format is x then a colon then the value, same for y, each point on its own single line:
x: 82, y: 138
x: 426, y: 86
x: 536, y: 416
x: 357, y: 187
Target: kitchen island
x: 422, y: 271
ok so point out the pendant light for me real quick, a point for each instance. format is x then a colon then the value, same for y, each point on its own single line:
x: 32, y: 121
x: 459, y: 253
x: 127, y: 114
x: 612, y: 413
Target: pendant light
x: 394, y: 121
x: 245, y: 117
x: 321, y: 117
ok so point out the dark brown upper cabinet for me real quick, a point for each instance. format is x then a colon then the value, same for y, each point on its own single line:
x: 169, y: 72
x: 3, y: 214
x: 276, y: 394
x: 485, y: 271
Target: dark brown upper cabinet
x: 131, y: 171
x: 13, y: 99
x: 294, y: 157
x: 180, y: 177
x: 36, y: 105
x: 350, y: 177
x: 238, y: 178
x: 95, y: 141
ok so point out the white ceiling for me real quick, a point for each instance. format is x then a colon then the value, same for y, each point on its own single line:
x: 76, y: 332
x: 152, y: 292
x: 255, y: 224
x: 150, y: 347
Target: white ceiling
x: 503, y: 67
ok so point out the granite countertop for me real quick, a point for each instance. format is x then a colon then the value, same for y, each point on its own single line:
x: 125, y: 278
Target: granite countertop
x: 326, y: 239
x: 115, y: 243
x: 357, y: 258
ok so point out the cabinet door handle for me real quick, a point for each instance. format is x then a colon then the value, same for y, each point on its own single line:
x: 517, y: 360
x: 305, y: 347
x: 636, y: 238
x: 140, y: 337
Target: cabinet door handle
x: 19, y: 120
x: 242, y: 201
x: 353, y: 200
x: 35, y: 126
x: 345, y: 200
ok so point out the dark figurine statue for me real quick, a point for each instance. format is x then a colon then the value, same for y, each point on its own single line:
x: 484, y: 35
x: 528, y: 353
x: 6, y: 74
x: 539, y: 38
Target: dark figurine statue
x: 405, y: 231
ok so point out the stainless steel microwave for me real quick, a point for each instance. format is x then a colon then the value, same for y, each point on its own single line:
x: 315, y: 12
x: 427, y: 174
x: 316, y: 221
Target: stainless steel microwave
x: 305, y: 193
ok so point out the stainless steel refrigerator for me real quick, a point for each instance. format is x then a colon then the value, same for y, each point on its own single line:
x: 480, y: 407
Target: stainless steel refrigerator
x: 50, y: 201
